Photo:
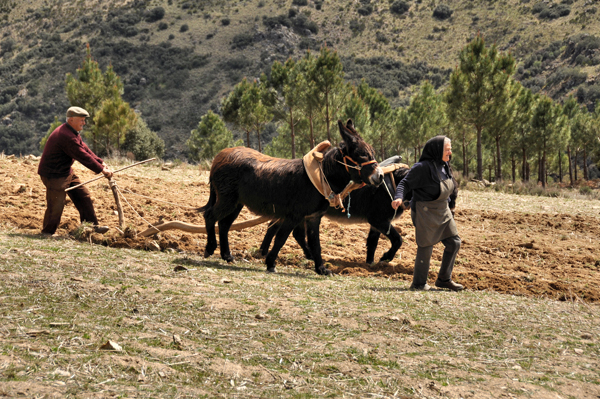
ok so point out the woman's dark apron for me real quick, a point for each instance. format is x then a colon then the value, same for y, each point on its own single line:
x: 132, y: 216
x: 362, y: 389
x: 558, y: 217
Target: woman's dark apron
x: 433, y: 220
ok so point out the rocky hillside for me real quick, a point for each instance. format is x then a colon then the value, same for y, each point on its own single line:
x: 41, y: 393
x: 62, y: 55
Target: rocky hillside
x: 178, y: 58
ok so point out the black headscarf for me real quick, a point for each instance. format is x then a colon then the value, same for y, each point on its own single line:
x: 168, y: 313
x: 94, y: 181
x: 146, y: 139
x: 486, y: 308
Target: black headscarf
x: 433, y: 150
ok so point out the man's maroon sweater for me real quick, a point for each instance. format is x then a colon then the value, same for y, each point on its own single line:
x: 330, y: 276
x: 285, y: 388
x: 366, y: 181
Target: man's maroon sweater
x: 64, y: 146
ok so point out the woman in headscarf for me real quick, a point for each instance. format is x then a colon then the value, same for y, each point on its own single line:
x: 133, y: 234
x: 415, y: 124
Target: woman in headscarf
x: 433, y: 190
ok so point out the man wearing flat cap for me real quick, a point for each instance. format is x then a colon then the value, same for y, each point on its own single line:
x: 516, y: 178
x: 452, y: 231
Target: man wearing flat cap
x: 63, y: 147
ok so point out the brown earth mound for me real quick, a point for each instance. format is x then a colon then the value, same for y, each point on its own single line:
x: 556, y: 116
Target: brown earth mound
x: 534, y: 254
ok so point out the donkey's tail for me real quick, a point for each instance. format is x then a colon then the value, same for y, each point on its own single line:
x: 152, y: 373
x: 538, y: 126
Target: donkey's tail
x: 211, y: 200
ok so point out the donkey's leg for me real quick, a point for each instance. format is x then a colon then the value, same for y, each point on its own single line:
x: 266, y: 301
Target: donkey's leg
x: 372, y: 241
x: 314, y: 243
x: 266, y: 242
x: 299, y: 234
x: 396, y: 241
x: 224, y: 226
x: 211, y: 237
x: 286, y: 227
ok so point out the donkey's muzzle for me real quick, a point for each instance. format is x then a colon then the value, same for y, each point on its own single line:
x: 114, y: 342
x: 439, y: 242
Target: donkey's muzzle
x: 376, y: 177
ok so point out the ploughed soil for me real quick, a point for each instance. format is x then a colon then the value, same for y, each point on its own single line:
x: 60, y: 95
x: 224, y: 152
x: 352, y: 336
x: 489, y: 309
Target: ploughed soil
x: 551, y: 251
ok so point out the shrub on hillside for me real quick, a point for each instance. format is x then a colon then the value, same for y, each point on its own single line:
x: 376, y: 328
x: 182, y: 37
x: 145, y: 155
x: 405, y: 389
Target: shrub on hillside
x: 225, y: 21
x: 274, y: 22
x: 442, y: 12
x: 300, y: 3
x: 184, y: 28
x: 303, y: 25
x: 7, y: 46
x: 242, y: 40
x: 381, y: 37
x: 357, y: 26
x: 163, y: 26
x: 155, y: 14
x: 551, y: 11
x: 399, y: 7
x: 365, y: 9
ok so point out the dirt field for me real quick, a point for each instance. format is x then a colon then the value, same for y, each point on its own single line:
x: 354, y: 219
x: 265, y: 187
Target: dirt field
x: 511, y: 244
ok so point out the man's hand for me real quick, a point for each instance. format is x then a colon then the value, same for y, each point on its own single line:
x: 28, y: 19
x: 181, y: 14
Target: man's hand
x: 452, y: 211
x: 107, y: 172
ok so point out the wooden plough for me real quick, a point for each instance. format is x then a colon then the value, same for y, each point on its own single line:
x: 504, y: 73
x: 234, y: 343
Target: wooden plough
x: 192, y: 228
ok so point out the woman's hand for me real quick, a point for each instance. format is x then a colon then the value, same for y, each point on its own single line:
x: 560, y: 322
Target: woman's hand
x: 397, y: 203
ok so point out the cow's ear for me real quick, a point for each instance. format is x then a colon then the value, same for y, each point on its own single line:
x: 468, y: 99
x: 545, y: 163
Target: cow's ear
x: 350, y: 124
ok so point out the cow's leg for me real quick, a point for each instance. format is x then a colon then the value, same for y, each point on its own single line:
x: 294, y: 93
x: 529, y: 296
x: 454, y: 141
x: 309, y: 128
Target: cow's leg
x: 299, y: 234
x: 314, y: 243
x: 224, y: 226
x: 266, y: 242
x: 372, y: 241
x: 285, y: 228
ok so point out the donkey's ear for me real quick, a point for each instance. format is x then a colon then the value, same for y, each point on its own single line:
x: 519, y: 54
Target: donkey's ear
x: 348, y: 135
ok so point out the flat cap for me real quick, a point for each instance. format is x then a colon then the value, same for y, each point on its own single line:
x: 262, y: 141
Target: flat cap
x: 76, y: 111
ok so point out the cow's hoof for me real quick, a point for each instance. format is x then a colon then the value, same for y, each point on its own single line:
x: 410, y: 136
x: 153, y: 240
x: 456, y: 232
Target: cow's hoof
x: 271, y: 269
x: 208, y: 253
x: 323, y: 271
x: 228, y: 258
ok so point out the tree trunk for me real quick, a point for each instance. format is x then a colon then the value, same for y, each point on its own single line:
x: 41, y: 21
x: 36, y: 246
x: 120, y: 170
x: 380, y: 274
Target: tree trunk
x: 292, y: 134
x: 528, y: 171
x: 586, y: 176
x: 570, y: 164
x: 248, y: 138
x: 524, y: 176
x: 465, y: 164
x: 560, y: 172
x: 514, y: 168
x: 575, y: 163
x: 312, y: 134
x: 543, y: 168
x: 258, y: 136
x: 327, y: 115
x: 498, y: 161
x: 540, y: 168
x: 479, y: 155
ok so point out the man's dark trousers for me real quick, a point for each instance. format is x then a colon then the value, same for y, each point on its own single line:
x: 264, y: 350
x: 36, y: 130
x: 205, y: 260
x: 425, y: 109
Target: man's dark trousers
x: 55, y: 201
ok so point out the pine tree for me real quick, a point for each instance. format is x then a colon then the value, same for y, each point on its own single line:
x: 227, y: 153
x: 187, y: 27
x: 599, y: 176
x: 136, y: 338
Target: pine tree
x: 478, y: 89
x: 328, y: 77
x: 100, y: 94
x: 551, y: 132
x: 209, y: 138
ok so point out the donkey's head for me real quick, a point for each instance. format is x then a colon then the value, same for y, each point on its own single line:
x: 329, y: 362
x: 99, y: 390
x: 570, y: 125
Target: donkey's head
x: 359, y: 156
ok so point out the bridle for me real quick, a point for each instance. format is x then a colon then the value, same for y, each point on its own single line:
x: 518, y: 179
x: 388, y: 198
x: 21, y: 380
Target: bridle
x: 358, y: 166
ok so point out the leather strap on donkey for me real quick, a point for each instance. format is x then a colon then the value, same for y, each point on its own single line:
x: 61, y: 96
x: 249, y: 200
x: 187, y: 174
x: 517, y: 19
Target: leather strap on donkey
x: 312, y: 163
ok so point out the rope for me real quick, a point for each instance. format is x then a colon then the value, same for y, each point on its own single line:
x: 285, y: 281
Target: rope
x: 157, y: 200
x: 348, y: 206
x: 395, y: 210
x: 132, y: 208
